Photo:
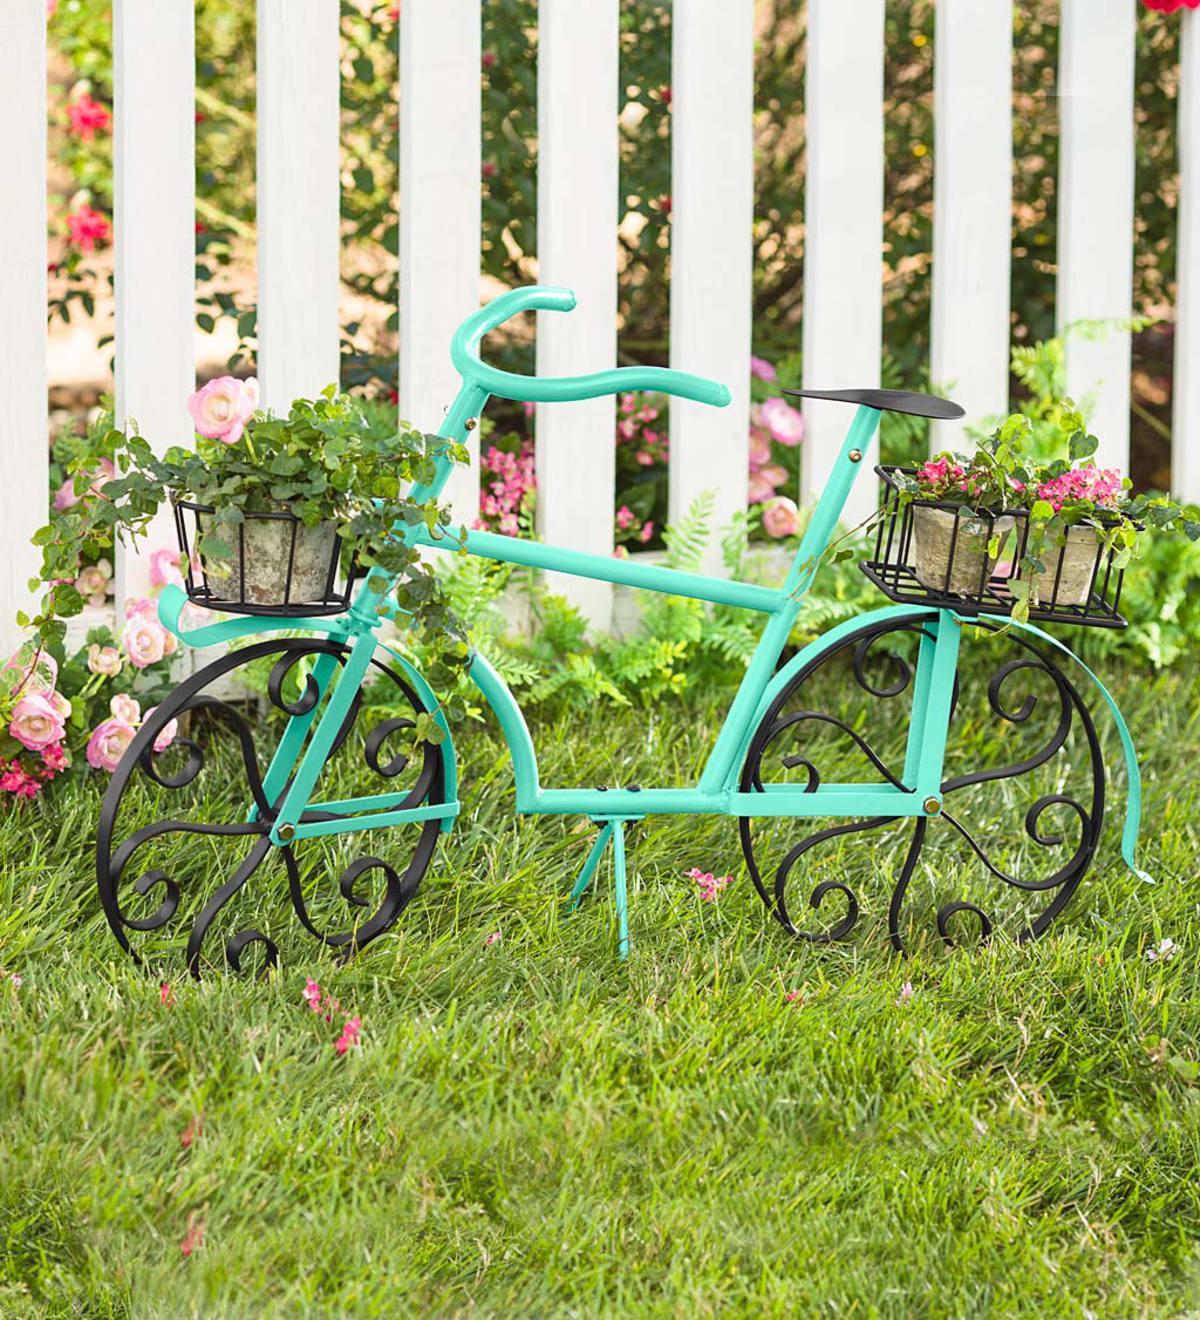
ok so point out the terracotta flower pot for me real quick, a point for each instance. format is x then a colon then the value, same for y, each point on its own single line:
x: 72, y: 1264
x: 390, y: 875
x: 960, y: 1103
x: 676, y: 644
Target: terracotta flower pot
x: 933, y: 537
x: 1078, y: 568
x: 268, y: 545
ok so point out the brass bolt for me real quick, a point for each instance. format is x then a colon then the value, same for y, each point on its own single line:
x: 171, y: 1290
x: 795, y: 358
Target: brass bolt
x: 856, y: 456
x: 932, y: 806
x: 287, y: 833
x: 472, y: 423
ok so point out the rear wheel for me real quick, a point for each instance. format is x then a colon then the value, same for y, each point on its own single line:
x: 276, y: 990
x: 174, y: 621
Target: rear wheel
x: 1024, y: 792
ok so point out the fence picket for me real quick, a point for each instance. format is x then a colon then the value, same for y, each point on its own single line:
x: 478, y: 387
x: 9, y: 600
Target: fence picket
x: 712, y: 216
x: 154, y: 220
x: 972, y: 209
x: 1185, y: 439
x: 439, y: 211
x: 843, y: 210
x: 1095, y: 213
x: 577, y: 247
x: 299, y: 164
x: 24, y: 460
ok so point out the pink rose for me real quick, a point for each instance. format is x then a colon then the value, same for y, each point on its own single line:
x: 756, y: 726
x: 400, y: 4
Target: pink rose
x: 781, y: 517
x: 125, y: 708
x: 761, y: 368
x: 144, y: 641
x: 166, y: 735
x: 140, y: 607
x: 164, y: 569
x: 60, y: 704
x: 760, y: 487
x: 221, y: 409
x: 107, y: 744
x: 1170, y: 6
x: 37, y: 722
x: 760, y: 447
x: 92, y: 582
x: 104, y: 660
x: 784, y: 422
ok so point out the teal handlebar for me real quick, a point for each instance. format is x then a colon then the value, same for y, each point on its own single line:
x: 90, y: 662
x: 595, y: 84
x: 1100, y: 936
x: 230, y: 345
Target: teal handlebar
x: 464, y: 353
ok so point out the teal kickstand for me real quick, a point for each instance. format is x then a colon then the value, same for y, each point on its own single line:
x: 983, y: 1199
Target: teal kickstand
x: 614, y: 830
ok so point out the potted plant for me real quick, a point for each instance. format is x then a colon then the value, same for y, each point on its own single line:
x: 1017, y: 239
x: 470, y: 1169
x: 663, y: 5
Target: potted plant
x: 272, y: 498
x: 1063, y: 516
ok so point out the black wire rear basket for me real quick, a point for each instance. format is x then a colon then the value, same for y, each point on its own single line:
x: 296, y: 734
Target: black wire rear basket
x: 278, y: 565
x: 933, y: 552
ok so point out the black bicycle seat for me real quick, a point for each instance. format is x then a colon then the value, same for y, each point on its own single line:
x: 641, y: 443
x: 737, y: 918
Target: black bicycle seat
x: 900, y: 401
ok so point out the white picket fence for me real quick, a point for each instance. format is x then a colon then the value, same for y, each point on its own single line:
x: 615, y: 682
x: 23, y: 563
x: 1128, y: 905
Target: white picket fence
x: 712, y: 197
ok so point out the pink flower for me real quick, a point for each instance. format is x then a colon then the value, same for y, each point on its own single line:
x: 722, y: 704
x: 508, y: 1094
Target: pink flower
x: 494, y: 938
x: 51, y: 8
x: 194, y: 1239
x: 104, y: 660
x: 710, y: 885
x: 166, y: 996
x: 145, y: 642
x: 87, y: 115
x: 66, y: 498
x: 311, y: 994
x: 221, y: 409
x: 92, y: 582
x: 350, y: 1035
x: 760, y: 448
x: 17, y: 980
x: 906, y: 993
x: 646, y: 533
x: 164, y: 569
x: 126, y: 708
x: 489, y: 58
x: 192, y: 1131
x: 140, y: 607
x: 166, y: 735
x: 761, y: 368
x: 794, y: 997
x: 784, y: 422
x: 625, y: 516
x: 1171, y: 6
x: 488, y: 169
x: 37, y: 722
x: 781, y: 517
x: 88, y: 227
x: 54, y: 758
x: 107, y: 744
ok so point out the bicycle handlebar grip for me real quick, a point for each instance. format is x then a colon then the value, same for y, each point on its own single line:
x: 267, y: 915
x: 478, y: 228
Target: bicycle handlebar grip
x: 464, y: 353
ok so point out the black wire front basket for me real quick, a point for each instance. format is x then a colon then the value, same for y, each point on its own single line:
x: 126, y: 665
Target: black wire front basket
x: 935, y: 552
x: 278, y: 565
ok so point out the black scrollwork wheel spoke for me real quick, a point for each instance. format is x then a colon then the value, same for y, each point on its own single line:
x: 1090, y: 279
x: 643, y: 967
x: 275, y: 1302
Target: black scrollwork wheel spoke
x: 219, y: 815
x: 858, y: 703
x: 252, y: 862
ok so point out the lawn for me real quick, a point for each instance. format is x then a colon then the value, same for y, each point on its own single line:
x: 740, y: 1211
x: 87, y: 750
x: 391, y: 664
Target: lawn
x: 732, y: 1122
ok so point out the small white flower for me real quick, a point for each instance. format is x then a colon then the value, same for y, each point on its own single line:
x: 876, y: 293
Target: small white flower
x: 1164, y: 951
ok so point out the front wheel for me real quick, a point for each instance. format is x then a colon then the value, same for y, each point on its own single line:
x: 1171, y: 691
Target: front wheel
x: 1024, y: 791
x: 186, y: 820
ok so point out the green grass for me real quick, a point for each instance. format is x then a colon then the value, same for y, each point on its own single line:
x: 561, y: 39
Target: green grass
x: 532, y: 1128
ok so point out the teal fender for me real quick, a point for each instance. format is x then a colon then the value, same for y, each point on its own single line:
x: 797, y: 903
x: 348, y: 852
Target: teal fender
x: 836, y: 636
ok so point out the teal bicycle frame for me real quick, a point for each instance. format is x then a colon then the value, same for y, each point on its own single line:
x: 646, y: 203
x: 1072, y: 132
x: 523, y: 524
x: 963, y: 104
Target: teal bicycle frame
x: 308, y: 739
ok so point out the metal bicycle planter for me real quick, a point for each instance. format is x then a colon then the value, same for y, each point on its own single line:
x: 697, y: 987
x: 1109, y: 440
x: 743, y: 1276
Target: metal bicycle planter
x: 274, y: 818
